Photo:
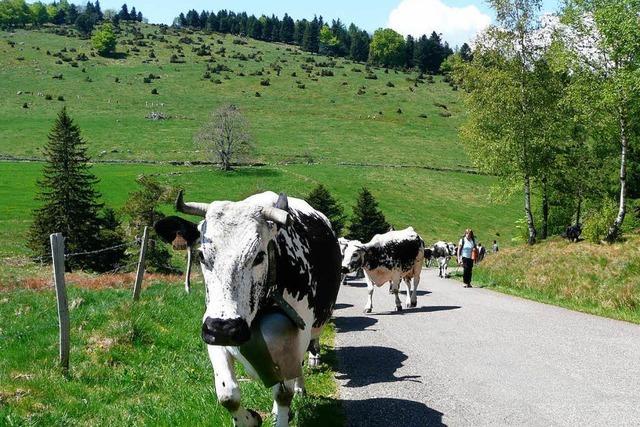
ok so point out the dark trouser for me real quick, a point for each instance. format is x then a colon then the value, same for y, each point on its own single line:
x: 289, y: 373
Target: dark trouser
x: 467, y: 267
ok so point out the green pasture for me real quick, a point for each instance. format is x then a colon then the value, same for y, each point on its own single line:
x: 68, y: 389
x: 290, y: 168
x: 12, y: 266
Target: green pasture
x: 131, y: 364
x: 326, y: 122
x: 439, y: 205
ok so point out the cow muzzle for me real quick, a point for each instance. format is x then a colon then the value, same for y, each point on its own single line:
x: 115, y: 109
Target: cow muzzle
x: 345, y: 270
x: 232, y: 332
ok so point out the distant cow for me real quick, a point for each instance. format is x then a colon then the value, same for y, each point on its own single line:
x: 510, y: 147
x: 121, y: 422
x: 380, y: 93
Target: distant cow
x: 181, y: 235
x: 389, y: 257
x: 443, y: 251
x: 573, y: 232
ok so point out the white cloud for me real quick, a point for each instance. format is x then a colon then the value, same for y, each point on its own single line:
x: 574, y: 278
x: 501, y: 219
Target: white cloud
x: 457, y: 24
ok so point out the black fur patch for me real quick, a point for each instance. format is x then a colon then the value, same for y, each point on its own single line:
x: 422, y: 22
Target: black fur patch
x: 394, y: 254
x: 310, y: 267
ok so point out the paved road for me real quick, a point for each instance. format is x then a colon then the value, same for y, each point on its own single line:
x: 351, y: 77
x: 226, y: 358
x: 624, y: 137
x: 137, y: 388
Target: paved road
x: 477, y: 357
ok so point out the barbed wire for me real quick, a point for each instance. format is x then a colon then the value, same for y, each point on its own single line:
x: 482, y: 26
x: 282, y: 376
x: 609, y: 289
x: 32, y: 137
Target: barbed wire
x: 97, y: 251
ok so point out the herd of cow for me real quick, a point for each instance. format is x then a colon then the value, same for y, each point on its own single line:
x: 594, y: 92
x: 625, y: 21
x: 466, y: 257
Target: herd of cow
x: 272, y: 268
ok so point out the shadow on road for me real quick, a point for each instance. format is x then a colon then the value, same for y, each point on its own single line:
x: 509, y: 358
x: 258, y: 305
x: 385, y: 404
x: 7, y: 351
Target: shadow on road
x: 424, y: 309
x: 356, y: 323
x: 357, y: 365
x: 342, y: 305
x: 387, y: 412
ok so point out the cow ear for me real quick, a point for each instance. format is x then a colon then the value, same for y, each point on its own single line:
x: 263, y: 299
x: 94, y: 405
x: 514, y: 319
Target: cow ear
x: 283, y: 202
x: 177, y: 231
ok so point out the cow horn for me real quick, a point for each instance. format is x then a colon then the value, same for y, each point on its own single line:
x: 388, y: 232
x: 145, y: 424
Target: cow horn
x: 276, y: 215
x: 197, y: 209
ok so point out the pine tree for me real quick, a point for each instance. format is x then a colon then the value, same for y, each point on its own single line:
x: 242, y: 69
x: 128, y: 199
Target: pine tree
x: 367, y: 220
x: 311, y: 37
x: 322, y: 200
x: 133, y: 15
x: 124, y: 13
x: 70, y: 202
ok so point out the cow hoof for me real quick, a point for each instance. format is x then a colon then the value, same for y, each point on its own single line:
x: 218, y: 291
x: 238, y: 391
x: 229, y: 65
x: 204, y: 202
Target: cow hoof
x: 367, y: 310
x: 398, y: 308
x: 313, y: 362
x: 300, y: 391
x: 254, y: 421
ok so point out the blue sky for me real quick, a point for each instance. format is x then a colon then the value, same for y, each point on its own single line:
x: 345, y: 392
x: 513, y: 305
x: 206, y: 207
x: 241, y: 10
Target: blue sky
x: 455, y: 19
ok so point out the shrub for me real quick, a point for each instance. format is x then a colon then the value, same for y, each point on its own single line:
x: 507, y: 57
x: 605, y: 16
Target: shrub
x: 361, y: 92
x: 154, y: 91
x: 301, y: 86
x: 265, y: 82
x: 399, y: 111
x: 390, y: 84
x: 258, y: 95
x: 48, y: 97
x: 423, y: 116
x: 445, y: 114
x: 25, y: 105
x: 217, y: 81
x: 60, y: 98
x: 104, y: 40
x: 371, y: 77
x: 597, y: 221
x: 146, y: 80
x: 326, y: 73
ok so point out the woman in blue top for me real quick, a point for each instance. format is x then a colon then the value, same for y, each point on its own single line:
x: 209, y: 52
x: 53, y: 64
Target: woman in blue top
x: 465, y: 255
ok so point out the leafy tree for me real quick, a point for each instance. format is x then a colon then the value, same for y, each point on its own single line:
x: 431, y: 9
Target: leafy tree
x: 225, y: 137
x: 360, y: 40
x: 70, y: 202
x: 142, y: 209
x: 387, y: 48
x: 367, y: 220
x: 320, y: 199
x: 39, y: 14
x: 14, y: 13
x: 503, y: 133
x: 329, y: 44
x: 104, y: 40
x: 72, y: 14
x: 604, y: 43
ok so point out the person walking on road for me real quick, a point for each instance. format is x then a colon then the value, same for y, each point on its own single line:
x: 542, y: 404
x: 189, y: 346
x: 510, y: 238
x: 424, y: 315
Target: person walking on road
x: 467, y: 254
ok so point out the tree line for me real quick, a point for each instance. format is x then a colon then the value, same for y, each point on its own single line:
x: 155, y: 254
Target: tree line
x: 18, y: 14
x: 550, y: 105
x: 385, y: 47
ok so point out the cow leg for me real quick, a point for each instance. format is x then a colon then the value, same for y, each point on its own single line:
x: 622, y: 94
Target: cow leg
x: 187, y: 276
x: 314, y: 353
x: 282, y: 397
x: 298, y: 386
x: 407, y: 300
x: 228, y: 390
x: 394, y: 287
x: 414, y: 292
x: 369, y: 307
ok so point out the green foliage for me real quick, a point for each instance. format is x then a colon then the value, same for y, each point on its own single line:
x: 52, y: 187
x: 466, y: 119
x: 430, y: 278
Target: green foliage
x: 104, y: 40
x: 320, y: 199
x: 367, y: 219
x: 386, y: 48
x: 84, y: 24
x: 597, y: 221
x: 142, y: 209
x: 14, y: 13
x: 69, y: 201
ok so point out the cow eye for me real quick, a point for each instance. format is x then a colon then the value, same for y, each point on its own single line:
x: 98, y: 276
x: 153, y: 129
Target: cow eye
x: 259, y: 258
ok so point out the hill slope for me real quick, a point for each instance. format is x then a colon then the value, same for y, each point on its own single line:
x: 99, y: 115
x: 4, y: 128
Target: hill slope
x: 305, y: 136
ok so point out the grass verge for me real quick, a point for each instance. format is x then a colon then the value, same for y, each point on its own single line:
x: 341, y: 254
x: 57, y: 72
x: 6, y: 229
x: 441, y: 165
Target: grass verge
x: 603, y: 280
x: 131, y: 364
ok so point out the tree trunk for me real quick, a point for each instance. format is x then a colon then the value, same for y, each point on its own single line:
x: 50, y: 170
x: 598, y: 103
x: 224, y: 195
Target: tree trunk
x: 614, y: 230
x: 578, y: 211
x: 545, y: 210
x: 527, y: 210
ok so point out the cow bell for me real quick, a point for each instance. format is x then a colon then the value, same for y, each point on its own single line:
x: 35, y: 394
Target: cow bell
x: 270, y: 349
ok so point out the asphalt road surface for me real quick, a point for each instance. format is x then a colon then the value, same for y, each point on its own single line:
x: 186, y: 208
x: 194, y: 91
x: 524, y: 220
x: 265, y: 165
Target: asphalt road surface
x: 478, y: 357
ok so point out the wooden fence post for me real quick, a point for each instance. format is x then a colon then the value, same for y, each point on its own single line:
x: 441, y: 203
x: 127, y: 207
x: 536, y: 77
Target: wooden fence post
x: 187, y: 275
x: 57, y: 255
x: 140, y: 273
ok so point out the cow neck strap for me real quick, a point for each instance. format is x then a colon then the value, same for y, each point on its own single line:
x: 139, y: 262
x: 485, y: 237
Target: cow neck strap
x: 276, y: 296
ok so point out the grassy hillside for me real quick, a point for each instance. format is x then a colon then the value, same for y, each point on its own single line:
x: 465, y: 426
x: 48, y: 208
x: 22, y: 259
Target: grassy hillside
x: 597, y: 279
x: 131, y: 364
x: 327, y: 121
x: 305, y: 136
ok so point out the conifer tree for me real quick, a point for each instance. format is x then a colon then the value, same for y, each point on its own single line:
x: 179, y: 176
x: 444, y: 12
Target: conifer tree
x: 322, y: 200
x: 70, y: 202
x: 367, y: 220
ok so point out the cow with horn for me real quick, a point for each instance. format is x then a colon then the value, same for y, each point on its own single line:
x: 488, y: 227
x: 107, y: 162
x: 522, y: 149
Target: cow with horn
x: 271, y: 267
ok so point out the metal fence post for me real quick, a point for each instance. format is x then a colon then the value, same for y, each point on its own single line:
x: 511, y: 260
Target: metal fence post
x: 140, y: 273
x: 57, y: 255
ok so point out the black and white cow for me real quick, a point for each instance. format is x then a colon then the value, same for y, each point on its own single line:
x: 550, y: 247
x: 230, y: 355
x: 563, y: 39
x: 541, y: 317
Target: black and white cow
x: 573, y: 232
x: 443, y: 251
x: 263, y: 259
x: 388, y: 257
